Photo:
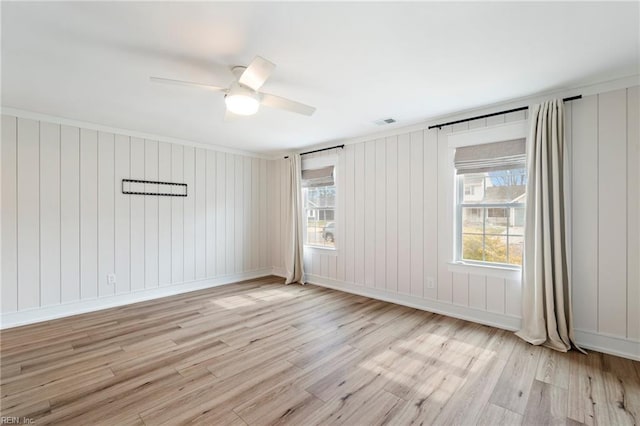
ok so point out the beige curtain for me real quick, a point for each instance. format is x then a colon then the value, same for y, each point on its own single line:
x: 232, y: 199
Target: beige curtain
x: 293, y: 244
x: 546, y: 290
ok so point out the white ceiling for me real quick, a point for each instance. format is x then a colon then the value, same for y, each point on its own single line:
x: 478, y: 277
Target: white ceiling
x: 355, y: 62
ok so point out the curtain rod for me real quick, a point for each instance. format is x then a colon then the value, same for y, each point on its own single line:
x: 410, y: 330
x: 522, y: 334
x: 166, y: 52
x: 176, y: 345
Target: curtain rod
x: 320, y: 150
x: 440, y: 126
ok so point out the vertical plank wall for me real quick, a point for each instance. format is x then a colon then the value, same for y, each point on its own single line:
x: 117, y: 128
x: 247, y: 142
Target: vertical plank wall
x: 605, y: 255
x: 396, y: 192
x: 66, y: 224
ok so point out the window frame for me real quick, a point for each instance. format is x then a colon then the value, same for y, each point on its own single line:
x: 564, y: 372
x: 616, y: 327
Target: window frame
x: 517, y: 129
x: 316, y: 163
x: 484, y: 206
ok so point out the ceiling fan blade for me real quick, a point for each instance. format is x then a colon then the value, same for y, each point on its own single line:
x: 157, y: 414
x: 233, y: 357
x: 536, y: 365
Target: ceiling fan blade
x: 186, y: 83
x: 274, y: 101
x: 257, y: 73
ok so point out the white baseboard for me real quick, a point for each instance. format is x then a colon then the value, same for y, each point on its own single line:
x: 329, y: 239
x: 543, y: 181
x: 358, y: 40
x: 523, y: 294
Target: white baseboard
x: 502, y: 321
x: 279, y: 272
x: 14, y: 319
x: 626, y: 348
x: 612, y: 345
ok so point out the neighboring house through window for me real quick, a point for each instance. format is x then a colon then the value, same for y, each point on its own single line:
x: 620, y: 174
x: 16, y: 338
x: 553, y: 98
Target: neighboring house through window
x: 491, y: 182
x: 319, y: 200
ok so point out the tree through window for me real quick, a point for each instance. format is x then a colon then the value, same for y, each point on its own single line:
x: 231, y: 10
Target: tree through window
x: 491, y: 182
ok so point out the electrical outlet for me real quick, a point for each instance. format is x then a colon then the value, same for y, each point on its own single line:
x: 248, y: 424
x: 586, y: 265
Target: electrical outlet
x: 111, y: 279
x: 431, y: 282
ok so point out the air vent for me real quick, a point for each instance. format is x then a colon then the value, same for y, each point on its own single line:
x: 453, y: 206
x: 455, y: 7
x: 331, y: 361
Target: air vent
x: 384, y: 121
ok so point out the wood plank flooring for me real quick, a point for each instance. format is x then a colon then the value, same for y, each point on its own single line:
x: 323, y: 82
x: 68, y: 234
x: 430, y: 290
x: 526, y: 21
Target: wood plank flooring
x: 259, y: 352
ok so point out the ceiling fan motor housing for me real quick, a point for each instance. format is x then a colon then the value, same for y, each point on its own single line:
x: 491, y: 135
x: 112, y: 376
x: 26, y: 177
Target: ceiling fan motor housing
x: 238, y: 70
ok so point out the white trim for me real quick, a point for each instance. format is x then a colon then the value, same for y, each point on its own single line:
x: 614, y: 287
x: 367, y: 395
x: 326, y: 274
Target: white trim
x: 423, y: 124
x: 316, y: 163
x: 280, y: 272
x: 322, y: 249
x: 496, y: 133
x: 588, y: 90
x: 619, y: 346
x: 487, y: 270
x: 614, y: 345
x: 505, y: 322
x: 392, y: 131
x: 14, y: 319
x: 125, y: 132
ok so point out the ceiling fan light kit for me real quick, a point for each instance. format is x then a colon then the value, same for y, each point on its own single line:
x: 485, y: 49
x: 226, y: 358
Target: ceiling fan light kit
x: 242, y: 101
x: 243, y: 96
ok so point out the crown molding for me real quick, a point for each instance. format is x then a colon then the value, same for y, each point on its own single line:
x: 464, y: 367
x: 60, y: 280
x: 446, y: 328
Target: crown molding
x: 419, y: 125
x: 584, y: 90
x: 16, y: 112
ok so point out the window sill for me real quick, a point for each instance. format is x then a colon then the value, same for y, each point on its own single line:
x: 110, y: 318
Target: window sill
x: 306, y: 247
x: 488, y: 270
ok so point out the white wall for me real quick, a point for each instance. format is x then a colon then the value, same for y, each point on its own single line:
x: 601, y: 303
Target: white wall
x: 394, y: 225
x: 606, y: 219
x: 394, y: 230
x: 66, y: 223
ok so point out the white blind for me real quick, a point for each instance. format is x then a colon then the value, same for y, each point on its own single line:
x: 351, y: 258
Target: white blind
x: 318, y: 177
x: 490, y: 157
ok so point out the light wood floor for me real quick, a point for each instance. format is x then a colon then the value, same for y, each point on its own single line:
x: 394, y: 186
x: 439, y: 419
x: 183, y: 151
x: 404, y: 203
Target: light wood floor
x: 260, y: 353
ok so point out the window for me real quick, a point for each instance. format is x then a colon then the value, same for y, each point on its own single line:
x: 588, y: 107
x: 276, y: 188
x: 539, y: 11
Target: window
x: 491, y: 181
x: 319, y: 198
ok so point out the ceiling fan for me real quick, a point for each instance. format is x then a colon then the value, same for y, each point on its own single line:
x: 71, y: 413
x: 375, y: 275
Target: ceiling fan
x: 243, y: 97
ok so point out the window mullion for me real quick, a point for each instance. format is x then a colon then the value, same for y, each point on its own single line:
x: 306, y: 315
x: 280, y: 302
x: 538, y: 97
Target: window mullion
x: 484, y: 234
x: 508, y: 223
x: 492, y: 204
